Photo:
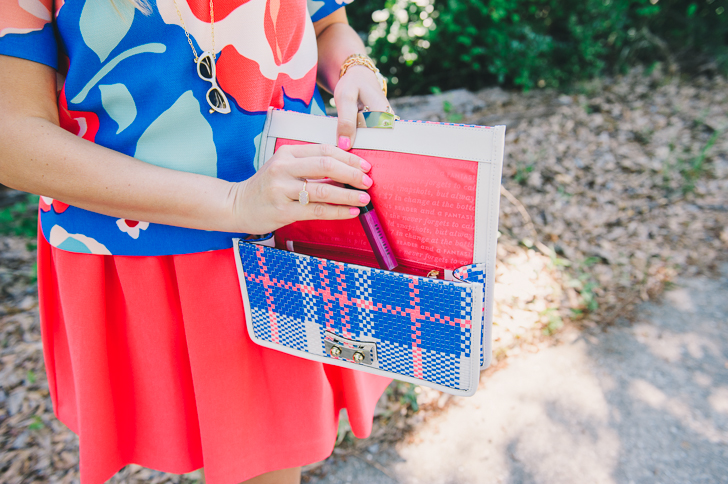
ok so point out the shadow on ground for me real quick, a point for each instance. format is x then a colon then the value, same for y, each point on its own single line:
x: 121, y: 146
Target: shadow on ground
x: 640, y: 403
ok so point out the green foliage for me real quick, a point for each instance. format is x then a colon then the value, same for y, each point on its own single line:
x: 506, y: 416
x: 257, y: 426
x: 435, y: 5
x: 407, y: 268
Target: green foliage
x: 343, y: 433
x: 553, y: 321
x: 692, y: 170
x: 521, y: 176
x: 451, y: 116
x: 444, y: 44
x: 21, y: 218
x: 680, y: 173
x: 405, y: 393
x: 36, y: 424
x: 585, y: 284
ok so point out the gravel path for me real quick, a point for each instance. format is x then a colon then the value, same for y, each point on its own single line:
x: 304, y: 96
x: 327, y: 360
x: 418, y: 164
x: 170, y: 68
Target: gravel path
x: 640, y: 403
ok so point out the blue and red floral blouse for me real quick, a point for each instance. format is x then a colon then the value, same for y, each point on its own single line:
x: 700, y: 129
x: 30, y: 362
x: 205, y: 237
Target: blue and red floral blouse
x: 131, y: 85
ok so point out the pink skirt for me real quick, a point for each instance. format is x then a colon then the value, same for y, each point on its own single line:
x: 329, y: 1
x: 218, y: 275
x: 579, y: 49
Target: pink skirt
x: 149, y: 362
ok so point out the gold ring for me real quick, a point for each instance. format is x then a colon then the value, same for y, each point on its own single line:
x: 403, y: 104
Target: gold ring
x: 365, y: 110
x: 303, y: 194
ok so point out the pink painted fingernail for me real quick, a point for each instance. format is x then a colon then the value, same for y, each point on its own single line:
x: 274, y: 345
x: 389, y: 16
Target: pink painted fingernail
x: 354, y: 211
x: 364, y: 198
x: 365, y: 165
x: 344, y: 143
x: 366, y: 181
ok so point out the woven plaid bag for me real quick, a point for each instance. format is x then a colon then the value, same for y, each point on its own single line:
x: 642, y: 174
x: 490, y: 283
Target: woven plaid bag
x: 318, y: 293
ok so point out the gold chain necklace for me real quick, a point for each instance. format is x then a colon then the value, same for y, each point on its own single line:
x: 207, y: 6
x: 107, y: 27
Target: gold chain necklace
x: 215, y: 97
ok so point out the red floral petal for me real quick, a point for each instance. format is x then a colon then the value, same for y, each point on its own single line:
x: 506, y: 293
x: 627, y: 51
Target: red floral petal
x: 60, y: 207
x: 131, y: 223
x: 16, y: 17
x: 284, y: 27
x: 43, y: 205
x: 237, y: 74
x: 223, y: 8
x: 69, y: 120
x: 241, y: 78
x: 302, y: 88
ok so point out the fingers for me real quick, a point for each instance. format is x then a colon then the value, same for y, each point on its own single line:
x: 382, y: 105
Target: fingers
x: 374, y: 98
x: 371, y: 94
x: 360, y: 87
x: 327, y: 193
x: 347, y: 107
x: 327, y: 167
x: 323, y: 211
x: 311, y: 150
x: 283, y: 179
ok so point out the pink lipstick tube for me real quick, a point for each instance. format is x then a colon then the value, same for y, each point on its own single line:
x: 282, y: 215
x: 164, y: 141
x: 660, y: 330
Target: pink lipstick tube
x: 375, y: 233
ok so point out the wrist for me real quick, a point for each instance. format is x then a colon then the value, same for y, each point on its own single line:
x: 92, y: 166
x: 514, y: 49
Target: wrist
x: 360, y: 62
x: 360, y: 72
x: 233, y: 208
x: 207, y: 205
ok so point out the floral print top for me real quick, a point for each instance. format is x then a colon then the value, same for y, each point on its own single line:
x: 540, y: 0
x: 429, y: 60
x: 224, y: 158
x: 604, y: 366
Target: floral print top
x: 129, y: 83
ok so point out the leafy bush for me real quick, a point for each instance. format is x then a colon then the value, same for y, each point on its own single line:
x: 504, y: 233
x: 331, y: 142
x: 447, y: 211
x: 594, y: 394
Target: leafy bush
x: 21, y: 218
x: 422, y: 44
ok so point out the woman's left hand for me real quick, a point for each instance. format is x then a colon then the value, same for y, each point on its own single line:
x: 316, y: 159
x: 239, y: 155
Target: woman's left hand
x: 357, y: 89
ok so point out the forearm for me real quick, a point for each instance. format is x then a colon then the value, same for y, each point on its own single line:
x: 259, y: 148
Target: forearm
x: 39, y: 157
x: 336, y: 42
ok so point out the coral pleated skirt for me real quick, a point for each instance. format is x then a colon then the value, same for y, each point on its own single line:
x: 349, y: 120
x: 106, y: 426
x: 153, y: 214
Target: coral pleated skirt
x: 149, y: 362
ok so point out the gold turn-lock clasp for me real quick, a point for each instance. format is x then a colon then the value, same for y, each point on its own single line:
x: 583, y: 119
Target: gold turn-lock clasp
x: 360, y: 352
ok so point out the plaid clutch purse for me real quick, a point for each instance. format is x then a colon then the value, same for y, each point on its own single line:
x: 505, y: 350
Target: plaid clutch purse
x: 408, y: 327
x: 318, y: 293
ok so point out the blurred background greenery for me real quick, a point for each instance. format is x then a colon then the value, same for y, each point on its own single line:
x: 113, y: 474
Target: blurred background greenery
x: 426, y: 46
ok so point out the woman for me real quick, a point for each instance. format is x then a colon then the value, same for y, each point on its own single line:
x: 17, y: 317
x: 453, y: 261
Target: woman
x: 139, y: 123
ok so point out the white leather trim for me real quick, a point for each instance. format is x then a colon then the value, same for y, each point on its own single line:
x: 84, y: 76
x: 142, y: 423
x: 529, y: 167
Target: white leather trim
x: 261, y: 157
x: 488, y: 199
x: 458, y: 142
x: 474, y: 337
x: 483, y: 199
x: 482, y: 145
x: 243, y: 286
x: 270, y: 148
x: 478, y: 304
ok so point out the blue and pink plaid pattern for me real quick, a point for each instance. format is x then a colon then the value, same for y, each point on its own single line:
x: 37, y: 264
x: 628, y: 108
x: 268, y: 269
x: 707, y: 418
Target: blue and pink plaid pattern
x: 422, y: 327
x: 475, y: 273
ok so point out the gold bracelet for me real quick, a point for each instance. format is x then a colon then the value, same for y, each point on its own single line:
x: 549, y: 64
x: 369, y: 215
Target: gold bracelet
x: 366, y: 61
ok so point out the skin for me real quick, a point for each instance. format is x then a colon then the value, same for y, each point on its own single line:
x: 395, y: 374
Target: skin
x: 351, y: 92
x: 38, y: 156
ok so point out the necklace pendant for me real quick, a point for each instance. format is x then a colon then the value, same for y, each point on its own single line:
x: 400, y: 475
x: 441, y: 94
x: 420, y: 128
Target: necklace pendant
x: 216, y: 98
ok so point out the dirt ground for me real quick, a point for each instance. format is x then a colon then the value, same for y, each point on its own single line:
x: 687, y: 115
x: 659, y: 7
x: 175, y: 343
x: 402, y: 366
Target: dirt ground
x: 609, y: 193
x: 643, y: 402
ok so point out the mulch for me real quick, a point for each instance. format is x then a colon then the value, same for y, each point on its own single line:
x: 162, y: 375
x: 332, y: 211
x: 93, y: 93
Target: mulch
x: 609, y: 193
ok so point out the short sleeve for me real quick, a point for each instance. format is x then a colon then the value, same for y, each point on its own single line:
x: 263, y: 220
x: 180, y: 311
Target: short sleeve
x: 27, y: 32
x: 319, y: 9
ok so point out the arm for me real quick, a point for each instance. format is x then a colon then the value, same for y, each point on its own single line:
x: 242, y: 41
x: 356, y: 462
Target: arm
x: 359, y: 87
x: 38, y: 156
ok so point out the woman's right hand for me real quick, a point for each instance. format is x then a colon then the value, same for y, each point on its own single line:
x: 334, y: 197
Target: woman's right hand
x: 269, y: 199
